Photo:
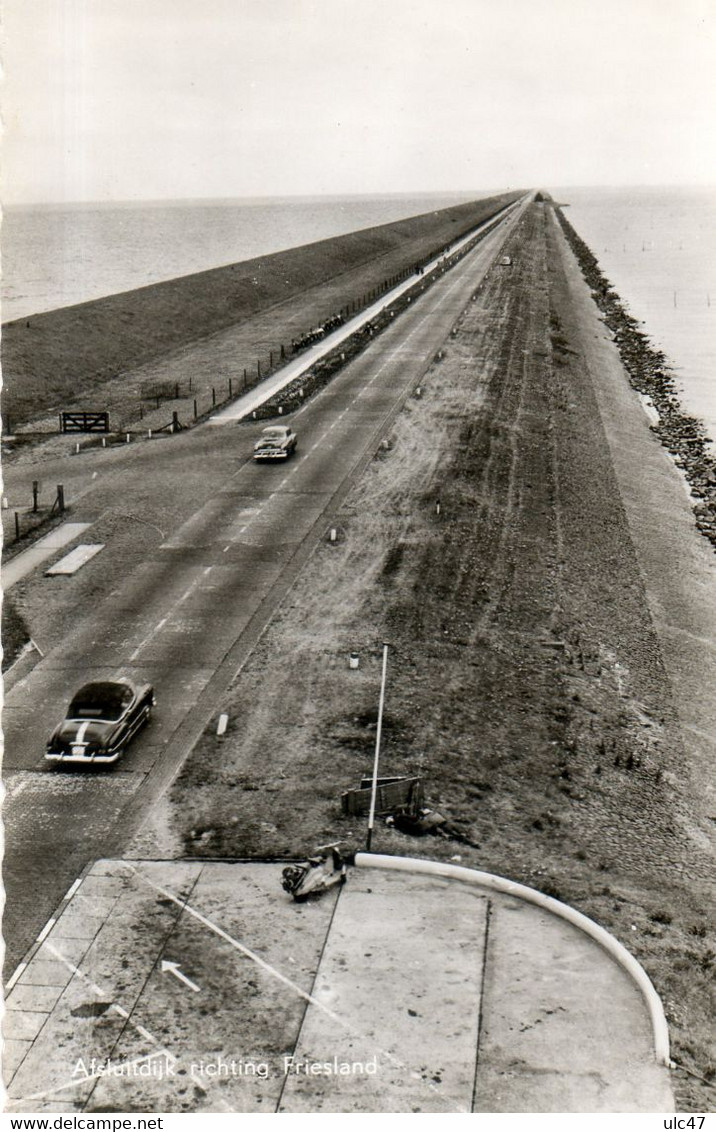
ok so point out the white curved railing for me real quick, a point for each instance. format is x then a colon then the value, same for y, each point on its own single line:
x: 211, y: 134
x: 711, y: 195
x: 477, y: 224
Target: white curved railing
x: 511, y: 888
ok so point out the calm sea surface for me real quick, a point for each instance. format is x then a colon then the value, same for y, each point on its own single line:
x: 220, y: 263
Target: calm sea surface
x: 658, y: 248
x: 56, y: 256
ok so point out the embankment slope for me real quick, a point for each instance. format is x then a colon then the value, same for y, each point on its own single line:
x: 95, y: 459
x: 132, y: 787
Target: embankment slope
x: 51, y: 355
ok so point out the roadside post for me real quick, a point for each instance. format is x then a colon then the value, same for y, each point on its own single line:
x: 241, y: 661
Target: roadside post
x: 374, y: 787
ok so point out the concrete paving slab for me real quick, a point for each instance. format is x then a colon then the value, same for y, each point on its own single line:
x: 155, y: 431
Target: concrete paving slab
x: 75, y: 923
x: 30, y: 996
x: 565, y: 1028
x: 253, y: 954
x: 404, y: 977
x: 46, y: 973
x: 399, y: 992
x: 13, y: 1051
x: 71, y: 952
x: 23, y: 1024
x: 76, y: 559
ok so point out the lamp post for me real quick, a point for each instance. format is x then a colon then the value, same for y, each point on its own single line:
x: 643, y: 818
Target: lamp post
x: 374, y: 788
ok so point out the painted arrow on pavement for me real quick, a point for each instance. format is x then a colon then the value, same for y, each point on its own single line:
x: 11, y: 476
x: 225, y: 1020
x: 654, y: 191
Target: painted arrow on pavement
x: 167, y: 965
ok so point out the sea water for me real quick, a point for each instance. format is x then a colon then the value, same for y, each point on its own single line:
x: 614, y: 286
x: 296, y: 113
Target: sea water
x: 657, y: 246
x: 54, y: 256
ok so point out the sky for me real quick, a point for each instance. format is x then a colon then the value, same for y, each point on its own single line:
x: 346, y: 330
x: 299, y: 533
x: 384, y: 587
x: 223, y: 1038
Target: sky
x: 112, y: 100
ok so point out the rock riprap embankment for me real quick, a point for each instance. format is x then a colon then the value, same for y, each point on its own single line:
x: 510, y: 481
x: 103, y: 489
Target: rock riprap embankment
x: 649, y: 374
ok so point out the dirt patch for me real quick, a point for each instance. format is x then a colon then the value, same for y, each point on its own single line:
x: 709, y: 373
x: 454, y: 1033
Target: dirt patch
x: 489, y: 546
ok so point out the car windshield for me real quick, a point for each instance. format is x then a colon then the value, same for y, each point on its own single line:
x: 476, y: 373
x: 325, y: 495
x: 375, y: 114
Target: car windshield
x: 274, y: 433
x: 100, y: 701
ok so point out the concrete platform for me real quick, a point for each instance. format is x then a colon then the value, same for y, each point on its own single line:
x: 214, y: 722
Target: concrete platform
x: 178, y: 986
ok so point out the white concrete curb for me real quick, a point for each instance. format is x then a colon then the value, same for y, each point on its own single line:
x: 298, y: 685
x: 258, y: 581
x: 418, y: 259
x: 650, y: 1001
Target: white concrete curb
x: 522, y: 892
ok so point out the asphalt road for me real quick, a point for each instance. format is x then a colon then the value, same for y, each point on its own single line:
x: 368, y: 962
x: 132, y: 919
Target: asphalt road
x: 200, y: 547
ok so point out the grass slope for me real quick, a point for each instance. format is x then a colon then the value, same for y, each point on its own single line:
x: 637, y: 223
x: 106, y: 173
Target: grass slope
x: 49, y: 356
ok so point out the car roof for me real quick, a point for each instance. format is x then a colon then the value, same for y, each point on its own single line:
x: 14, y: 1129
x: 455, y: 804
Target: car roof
x: 105, y: 691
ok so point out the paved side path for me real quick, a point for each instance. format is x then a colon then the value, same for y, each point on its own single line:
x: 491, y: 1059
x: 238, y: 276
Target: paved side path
x: 252, y: 400
x: 180, y: 986
x: 47, y: 546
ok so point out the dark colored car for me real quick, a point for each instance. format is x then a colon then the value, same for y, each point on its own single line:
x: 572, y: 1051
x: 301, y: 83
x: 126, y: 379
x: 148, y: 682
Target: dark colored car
x: 102, y: 719
x: 277, y: 442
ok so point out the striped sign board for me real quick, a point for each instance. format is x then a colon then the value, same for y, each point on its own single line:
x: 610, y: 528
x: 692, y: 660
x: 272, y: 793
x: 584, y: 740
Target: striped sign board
x: 84, y: 421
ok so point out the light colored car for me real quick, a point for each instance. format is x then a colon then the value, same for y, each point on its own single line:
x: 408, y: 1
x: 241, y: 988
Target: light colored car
x: 277, y: 442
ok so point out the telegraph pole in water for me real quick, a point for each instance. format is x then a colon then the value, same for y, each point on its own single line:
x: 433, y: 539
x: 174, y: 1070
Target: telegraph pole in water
x: 374, y: 789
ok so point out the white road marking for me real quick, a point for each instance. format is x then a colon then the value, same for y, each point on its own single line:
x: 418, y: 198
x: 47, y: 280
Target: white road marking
x: 240, y: 947
x: 72, y: 889
x: 103, y: 995
x: 243, y: 950
x: 160, y: 624
x: 15, y: 976
x: 70, y: 563
x: 46, y: 930
x: 174, y: 969
x: 148, y: 637
x: 12, y: 791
